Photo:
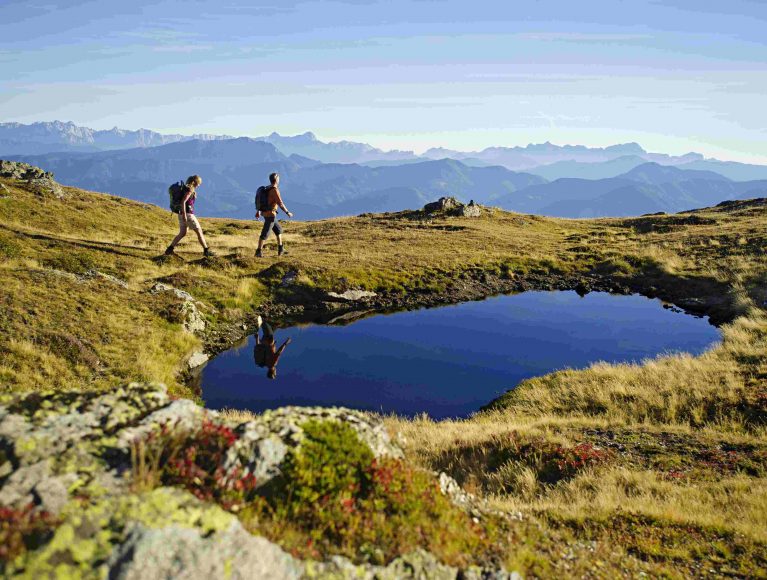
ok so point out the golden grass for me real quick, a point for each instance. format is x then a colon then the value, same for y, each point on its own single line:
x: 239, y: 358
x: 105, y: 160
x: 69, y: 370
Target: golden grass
x: 62, y: 330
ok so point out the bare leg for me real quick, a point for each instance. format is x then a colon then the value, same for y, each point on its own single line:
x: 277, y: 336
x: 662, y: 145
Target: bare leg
x: 279, y: 239
x: 201, y: 238
x: 179, y: 236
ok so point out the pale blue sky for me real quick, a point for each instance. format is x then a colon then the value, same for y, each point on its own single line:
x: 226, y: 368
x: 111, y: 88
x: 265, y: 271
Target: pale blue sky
x: 673, y: 75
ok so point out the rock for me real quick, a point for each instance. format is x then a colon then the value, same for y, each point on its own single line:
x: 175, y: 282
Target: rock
x: 197, y: 360
x: 471, y: 210
x: 353, y: 295
x: 184, y: 553
x: 4, y: 191
x: 264, y: 442
x: 17, y: 489
x: 53, y: 492
x: 449, y: 487
x: 182, y: 414
x: 187, y: 312
x: 451, y: 206
x: 93, y: 274
x: 442, y: 204
x: 41, y: 181
x: 19, y: 170
x: 418, y: 564
x: 160, y: 287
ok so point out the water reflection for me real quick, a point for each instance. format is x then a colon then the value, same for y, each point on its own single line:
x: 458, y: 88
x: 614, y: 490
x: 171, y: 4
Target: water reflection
x: 264, y: 352
x: 447, y: 361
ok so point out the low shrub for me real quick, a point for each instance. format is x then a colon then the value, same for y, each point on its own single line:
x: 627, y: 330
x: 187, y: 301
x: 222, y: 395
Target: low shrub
x: 192, y: 460
x: 23, y: 530
x: 337, y: 498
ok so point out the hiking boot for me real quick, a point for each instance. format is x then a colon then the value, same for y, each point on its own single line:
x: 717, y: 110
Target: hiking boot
x: 280, y: 249
x: 169, y: 251
x: 208, y: 253
x: 259, y: 254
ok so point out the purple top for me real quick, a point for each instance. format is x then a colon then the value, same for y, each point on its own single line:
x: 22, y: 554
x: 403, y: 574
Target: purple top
x: 190, y: 204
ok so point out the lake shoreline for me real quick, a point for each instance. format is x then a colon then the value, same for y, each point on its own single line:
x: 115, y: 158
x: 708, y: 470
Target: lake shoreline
x: 697, y: 297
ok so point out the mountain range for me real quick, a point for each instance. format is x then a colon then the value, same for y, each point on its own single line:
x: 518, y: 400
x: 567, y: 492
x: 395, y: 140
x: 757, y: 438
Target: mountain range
x: 346, y: 178
x: 233, y: 169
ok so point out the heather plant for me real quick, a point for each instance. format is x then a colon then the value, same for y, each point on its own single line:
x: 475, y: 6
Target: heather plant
x: 193, y: 460
x: 338, y: 499
x: 23, y: 530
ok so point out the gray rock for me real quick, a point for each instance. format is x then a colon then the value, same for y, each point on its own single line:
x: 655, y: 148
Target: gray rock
x: 197, y: 360
x: 160, y: 287
x: 182, y: 414
x: 93, y: 274
x: 181, y: 553
x: 193, y: 320
x: 53, y: 492
x: 353, y: 295
x: 471, y: 210
x: 19, y: 170
x: 418, y: 564
x: 442, y: 204
x: 18, y: 488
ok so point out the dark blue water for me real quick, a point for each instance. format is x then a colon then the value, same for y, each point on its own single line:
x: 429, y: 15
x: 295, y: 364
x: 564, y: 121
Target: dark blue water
x: 449, y: 361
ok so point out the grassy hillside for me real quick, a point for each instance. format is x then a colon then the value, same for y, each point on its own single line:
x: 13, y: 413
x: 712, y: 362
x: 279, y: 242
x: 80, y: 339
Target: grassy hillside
x: 658, y: 468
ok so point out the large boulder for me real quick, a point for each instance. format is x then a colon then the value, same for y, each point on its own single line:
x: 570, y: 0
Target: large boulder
x: 442, y: 204
x: 451, y: 206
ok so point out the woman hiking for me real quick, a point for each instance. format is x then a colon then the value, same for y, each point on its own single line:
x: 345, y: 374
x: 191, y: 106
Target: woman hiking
x: 186, y: 217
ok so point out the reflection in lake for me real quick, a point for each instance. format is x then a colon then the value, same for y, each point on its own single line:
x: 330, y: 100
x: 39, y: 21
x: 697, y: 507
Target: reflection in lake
x: 265, y: 353
x: 445, y: 361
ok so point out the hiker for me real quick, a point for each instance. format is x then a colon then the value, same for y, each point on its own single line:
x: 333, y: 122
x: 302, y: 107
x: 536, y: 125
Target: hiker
x: 265, y: 354
x: 182, y: 198
x: 268, y: 199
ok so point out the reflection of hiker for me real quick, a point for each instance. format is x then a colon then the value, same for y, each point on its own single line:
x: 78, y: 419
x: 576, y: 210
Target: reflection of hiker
x: 268, y: 199
x: 265, y: 353
x: 182, y: 198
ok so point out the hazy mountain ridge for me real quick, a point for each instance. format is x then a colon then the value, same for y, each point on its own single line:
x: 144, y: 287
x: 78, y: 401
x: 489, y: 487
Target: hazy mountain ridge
x: 647, y: 188
x: 535, y: 155
x: 321, y: 181
x: 54, y: 136
x: 233, y: 169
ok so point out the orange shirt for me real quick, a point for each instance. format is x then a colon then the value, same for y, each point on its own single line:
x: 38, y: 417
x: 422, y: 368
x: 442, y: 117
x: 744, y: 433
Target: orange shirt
x: 274, y: 201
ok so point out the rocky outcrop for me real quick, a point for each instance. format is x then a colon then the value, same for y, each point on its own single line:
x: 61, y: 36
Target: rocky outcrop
x: 442, y: 204
x: 185, y: 309
x: 70, y: 454
x: 451, y: 206
x: 352, y: 295
x: 40, y: 180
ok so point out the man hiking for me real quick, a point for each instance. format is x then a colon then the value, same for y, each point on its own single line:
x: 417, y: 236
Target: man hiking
x: 268, y: 208
x: 183, y: 196
x: 265, y: 352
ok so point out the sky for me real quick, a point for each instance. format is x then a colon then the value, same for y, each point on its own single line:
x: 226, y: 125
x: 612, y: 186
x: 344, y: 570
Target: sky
x: 674, y: 76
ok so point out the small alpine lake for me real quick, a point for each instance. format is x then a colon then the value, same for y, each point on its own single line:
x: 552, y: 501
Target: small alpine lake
x: 451, y: 360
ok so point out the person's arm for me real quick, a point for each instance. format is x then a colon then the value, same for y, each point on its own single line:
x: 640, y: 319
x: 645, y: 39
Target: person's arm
x: 281, y: 204
x: 284, y: 344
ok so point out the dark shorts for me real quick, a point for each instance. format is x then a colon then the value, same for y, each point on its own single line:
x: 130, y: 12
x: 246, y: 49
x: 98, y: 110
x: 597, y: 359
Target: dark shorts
x: 271, y: 223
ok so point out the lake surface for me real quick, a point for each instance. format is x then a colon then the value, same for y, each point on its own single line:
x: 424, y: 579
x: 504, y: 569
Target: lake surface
x: 449, y: 361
